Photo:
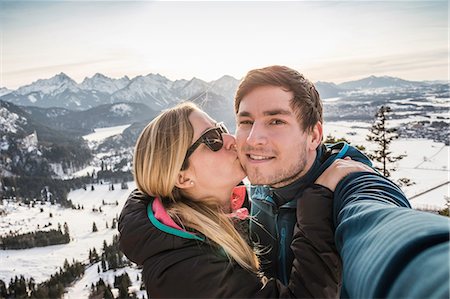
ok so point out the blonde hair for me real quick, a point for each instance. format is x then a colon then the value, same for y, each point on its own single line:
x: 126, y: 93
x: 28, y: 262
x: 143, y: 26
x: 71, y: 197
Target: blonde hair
x: 158, y: 159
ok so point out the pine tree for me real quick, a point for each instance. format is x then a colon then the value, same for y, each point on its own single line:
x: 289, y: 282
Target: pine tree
x: 103, y: 263
x: 94, y: 227
x: 66, y: 265
x: 3, y: 290
x: 31, y: 284
x: 66, y: 229
x: 94, y: 255
x: 108, y: 294
x: 381, y: 135
x: 122, y: 282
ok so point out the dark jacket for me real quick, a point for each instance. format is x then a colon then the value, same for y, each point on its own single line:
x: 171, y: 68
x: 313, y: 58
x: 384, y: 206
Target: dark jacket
x: 177, y: 263
x: 274, y: 211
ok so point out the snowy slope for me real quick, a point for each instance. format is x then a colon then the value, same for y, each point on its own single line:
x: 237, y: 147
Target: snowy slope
x: 82, y: 287
x: 41, y: 262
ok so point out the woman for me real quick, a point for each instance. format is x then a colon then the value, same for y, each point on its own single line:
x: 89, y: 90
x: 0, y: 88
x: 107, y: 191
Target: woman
x: 186, y: 222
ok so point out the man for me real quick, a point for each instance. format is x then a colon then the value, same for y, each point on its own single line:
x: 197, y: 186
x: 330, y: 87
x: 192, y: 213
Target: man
x: 279, y: 141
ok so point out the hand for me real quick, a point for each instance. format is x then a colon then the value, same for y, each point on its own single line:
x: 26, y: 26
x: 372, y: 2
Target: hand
x: 338, y: 170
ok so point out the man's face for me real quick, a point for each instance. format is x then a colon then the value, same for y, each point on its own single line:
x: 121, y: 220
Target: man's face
x: 272, y: 147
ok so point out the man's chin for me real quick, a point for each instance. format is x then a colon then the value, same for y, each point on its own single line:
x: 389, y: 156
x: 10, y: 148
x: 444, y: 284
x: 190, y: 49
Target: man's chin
x: 258, y: 179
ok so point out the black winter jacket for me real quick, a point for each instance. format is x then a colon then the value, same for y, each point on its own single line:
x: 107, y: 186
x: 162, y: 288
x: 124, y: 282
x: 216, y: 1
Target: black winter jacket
x: 181, y: 264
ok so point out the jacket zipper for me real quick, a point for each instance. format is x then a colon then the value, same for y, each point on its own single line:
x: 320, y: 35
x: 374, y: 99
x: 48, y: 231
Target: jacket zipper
x: 282, y: 254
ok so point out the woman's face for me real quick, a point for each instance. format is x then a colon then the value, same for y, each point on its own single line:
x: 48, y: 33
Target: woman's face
x: 213, y: 173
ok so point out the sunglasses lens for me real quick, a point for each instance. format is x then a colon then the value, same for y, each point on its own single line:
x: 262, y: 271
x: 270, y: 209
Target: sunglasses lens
x: 213, y: 139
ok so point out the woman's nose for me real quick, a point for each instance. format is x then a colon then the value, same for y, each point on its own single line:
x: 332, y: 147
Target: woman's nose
x: 229, y: 141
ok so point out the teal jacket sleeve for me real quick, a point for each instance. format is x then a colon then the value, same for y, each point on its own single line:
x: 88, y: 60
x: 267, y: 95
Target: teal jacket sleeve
x: 388, y: 250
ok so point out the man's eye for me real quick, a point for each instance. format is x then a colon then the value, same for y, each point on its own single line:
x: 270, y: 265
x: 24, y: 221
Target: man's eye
x: 277, y: 122
x: 245, y: 122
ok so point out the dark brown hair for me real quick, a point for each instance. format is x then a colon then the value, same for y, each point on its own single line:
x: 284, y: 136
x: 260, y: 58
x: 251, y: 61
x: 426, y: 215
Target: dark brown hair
x: 306, y: 103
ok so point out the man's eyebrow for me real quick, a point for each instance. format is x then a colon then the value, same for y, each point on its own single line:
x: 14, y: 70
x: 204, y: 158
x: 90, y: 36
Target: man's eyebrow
x: 243, y: 114
x: 266, y: 113
x: 277, y: 112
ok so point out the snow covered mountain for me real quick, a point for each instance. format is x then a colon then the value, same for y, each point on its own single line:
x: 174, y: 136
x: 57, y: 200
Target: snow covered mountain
x: 328, y: 89
x: 4, y: 91
x: 159, y: 92
x: 28, y: 144
x: 58, y: 91
x: 104, y: 84
x: 380, y: 82
x: 10, y: 122
x: 55, y: 85
x: 154, y: 90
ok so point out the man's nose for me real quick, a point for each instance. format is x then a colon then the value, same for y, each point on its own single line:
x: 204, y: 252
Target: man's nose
x: 257, y: 135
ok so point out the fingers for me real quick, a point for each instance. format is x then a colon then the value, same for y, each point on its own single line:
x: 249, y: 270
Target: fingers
x: 351, y: 165
x: 338, y: 170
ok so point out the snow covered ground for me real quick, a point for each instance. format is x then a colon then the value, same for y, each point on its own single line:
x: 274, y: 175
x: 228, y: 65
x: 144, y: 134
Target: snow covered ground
x: 426, y: 163
x: 30, y: 262
x: 82, y: 287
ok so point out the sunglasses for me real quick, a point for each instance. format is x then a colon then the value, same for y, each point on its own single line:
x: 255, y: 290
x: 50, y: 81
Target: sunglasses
x: 212, y: 138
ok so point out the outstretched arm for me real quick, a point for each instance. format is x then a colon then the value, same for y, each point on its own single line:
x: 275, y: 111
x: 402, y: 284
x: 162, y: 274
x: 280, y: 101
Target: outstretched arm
x: 388, y: 250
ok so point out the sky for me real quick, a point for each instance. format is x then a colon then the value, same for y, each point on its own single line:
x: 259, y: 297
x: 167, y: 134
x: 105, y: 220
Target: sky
x: 334, y: 41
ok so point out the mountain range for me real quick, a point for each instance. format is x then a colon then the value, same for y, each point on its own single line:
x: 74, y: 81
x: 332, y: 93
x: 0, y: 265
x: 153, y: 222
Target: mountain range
x: 42, y: 124
x: 154, y: 90
x: 157, y: 91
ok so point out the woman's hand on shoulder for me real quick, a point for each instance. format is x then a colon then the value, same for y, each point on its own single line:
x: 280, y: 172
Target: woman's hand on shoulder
x: 338, y: 170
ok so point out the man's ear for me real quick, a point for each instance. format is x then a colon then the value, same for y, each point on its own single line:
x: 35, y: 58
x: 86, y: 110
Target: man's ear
x: 315, y: 136
x: 184, y: 181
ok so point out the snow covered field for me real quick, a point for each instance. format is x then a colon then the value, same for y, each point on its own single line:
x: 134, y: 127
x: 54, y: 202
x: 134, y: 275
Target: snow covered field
x: 426, y: 163
x: 41, y: 262
x: 82, y: 287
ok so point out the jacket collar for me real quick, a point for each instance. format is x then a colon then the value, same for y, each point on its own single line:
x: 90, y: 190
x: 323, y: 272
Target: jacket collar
x: 157, y: 214
x: 295, y: 189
